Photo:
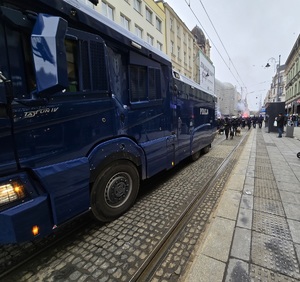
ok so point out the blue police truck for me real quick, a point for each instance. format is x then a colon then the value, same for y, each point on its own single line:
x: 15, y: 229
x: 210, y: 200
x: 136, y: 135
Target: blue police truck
x: 87, y: 111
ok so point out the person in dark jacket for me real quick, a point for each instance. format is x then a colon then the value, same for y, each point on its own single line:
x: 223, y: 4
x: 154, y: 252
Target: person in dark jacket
x: 249, y: 122
x: 260, y: 121
x: 234, y: 125
x: 280, y: 124
x: 227, y: 127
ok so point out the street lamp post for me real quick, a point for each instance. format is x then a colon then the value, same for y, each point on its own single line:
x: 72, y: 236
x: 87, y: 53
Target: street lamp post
x: 278, y: 75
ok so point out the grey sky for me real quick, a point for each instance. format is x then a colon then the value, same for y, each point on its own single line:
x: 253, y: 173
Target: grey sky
x: 252, y: 31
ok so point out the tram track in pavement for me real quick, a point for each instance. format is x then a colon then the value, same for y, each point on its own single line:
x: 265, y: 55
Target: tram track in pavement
x: 155, y: 260
x: 148, y: 264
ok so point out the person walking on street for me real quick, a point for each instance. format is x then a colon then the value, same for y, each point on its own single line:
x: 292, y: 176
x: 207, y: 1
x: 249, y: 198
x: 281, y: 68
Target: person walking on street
x: 249, y: 122
x: 227, y: 126
x: 260, y: 121
x: 280, y: 124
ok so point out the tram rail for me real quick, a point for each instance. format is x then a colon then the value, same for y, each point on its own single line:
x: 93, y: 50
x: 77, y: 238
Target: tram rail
x: 150, y: 265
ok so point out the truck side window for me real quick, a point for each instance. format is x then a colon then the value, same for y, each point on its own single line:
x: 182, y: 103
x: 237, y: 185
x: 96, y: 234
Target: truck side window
x: 71, y: 50
x: 145, y: 84
x: 19, y: 62
x: 138, y: 76
x: 154, y: 85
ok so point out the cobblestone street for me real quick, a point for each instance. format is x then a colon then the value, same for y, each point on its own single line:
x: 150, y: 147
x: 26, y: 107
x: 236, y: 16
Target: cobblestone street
x: 116, y: 250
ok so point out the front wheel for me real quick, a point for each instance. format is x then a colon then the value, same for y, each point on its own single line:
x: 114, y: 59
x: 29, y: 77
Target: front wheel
x: 115, y: 190
x: 298, y: 155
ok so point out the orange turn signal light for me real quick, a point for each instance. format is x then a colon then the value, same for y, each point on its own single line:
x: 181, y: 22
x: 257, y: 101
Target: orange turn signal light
x: 35, y: 230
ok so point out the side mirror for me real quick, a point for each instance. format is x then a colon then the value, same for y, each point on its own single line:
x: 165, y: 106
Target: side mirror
x: 49, y: 54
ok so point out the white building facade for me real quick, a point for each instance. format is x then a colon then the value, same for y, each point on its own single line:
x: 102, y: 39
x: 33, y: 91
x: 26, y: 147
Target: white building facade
x: 229, y: 100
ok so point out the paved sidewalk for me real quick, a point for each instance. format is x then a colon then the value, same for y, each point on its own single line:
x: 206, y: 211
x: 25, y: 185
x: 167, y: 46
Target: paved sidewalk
x: 254, y: 234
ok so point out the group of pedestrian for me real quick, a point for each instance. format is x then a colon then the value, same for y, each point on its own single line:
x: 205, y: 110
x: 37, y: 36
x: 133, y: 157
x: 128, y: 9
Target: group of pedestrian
x: 294, y: 119
x: 232, y: 126
x: 283, y: 120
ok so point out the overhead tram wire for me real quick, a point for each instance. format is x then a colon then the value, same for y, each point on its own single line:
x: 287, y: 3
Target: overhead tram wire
x: 221, y: 42
x: 212, y: 43
x: 217, y: 48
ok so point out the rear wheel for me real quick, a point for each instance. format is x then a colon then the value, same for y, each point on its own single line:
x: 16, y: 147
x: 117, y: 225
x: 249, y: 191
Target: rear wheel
x: 115, y: 190
x: 196, y: 156
x: 298, y: 155
x: 205, y: 150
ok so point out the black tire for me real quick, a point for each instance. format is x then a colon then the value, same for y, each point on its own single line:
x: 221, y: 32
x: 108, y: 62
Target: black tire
x: 205, y: 150
x: 196, y: 156
x: 115, y: 190
x: 298, y: 155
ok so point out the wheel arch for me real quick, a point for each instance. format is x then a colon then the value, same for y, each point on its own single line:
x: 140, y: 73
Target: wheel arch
x: 118, y: 149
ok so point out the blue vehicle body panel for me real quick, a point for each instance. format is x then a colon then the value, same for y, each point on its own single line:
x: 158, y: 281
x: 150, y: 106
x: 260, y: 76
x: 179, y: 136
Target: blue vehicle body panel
x: 117, y: 148
x: 68, y: 186
x: 195, y: 113
x: 8, y: 161
x: 61, y: 133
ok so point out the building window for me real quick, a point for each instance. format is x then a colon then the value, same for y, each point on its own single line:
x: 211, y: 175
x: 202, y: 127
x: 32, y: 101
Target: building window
x: 149, y: 15
x: 149, y: 39
x: 178, y: 52
x: 125, y: 22
x: 178, y: 30
x: 158, y: 24
x: 138, y: 31
x: 171, y: 24
x: 107, y: 11
x: 71, y: 51
x: 137, y: 4
x: 172, y: 47
x: 159, y: 46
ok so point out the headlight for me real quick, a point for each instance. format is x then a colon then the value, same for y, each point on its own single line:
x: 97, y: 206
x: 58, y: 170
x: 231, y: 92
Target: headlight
x: 10, y: 192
